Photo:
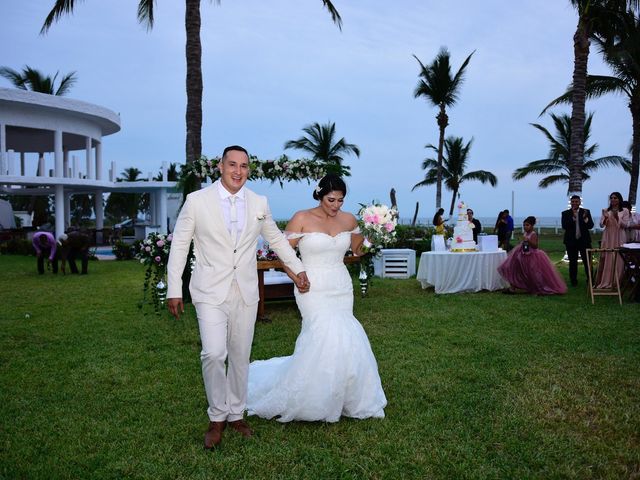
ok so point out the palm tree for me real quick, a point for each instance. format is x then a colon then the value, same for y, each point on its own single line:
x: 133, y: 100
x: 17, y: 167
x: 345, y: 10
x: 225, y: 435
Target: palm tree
x: 172, y: 173
x: 593, y: 16
x: 193, y: 57
x: 557, y: 166
x: 320, y: 142
x: 122, y: 205
x: 621, y: 51
x: 453, y: 168
x: 440, y: 89
x: 32, y: 79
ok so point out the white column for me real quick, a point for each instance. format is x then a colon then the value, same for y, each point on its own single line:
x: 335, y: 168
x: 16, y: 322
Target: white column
x: 59, y: 210
x: 41, y: 164
x: 163, y: 210
x: 99, y: 161
x: 153, y: 204
x: 65, y: 163
x: 113, y: 176
x: 11, y: 163
x: 90, y: 173
x: 164, y: 171
x: 57, y: 151
x: 22, y: 164
x: 99, y: 208
x: 3, y: 146
x: 67, y: 209
x: 74, y: 166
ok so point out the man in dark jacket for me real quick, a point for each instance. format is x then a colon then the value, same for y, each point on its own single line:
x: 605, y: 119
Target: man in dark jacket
x: 75, y: 245
x: 576, y: 223
x: 477, y: 227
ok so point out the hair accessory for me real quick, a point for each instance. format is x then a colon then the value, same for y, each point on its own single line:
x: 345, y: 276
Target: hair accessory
x: 318, y: 188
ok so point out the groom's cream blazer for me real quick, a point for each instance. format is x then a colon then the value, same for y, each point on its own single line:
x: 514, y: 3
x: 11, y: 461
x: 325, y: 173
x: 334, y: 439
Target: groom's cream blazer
x: 218, y: 260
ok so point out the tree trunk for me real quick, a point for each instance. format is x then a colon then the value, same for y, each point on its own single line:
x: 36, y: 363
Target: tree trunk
x: 635, y: 150
x: 415, y: 215
x: 392, y: 197
x: 453, y: 202
x: 578, y: 100
x: 443, y: 121
x: 194, y: 84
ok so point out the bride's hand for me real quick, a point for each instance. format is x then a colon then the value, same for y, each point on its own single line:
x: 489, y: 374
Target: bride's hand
x: 302, y: 282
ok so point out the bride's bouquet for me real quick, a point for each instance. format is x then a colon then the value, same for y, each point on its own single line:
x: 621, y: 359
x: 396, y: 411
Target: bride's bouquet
x: 377, y: 224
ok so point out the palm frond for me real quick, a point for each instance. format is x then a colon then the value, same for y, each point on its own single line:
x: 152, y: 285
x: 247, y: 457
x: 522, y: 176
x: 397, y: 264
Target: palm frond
x: 66, y: 83
x: 553, y: 179
x: 482, y: 176
x: 60, y: 8
x: 335, y: 16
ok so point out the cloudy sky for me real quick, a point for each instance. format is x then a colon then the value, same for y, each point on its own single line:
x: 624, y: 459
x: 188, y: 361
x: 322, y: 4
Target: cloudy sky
x: 271, y: 68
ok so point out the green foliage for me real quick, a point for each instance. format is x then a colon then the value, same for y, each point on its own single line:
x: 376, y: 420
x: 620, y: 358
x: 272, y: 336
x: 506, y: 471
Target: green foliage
x: 123, y: 251
x: 16, y: 246
x: 417, y: 238
x: 479, y: 386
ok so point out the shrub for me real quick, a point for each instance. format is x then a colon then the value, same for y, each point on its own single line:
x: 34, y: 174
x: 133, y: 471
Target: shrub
x: 123, y: 251
x: 17, y: 246
x: 417, y: 238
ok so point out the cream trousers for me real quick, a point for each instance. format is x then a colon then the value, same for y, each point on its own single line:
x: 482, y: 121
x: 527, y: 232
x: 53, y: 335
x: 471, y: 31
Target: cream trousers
x: 226, y: 333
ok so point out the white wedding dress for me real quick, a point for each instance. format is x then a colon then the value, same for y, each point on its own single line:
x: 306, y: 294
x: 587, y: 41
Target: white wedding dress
x: 332, y: 371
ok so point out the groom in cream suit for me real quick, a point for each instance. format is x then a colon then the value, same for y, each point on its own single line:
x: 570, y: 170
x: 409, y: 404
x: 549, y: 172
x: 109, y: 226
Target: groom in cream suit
x: 224, y: 221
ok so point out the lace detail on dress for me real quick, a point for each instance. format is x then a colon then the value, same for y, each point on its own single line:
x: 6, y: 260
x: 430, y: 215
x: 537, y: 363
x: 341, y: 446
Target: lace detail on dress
x: 293, y: 235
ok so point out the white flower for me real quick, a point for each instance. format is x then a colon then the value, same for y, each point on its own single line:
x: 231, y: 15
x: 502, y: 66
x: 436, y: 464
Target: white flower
x: 261, y: 216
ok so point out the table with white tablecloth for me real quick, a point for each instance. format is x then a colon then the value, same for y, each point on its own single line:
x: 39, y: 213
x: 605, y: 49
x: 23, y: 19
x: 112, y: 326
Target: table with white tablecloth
x: 451, y: 272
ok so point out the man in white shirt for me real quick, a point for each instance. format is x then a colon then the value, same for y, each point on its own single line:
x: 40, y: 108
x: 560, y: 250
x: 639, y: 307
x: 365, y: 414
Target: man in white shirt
x: 224, y: 221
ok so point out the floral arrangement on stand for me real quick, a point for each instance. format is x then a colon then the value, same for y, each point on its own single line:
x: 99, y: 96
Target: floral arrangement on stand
x: 282, y: 169
x: 153, y: 252
x: 377, y: 223
x: 266, y: 254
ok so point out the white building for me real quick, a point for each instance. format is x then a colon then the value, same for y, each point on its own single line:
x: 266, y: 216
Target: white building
x: 62, y: 137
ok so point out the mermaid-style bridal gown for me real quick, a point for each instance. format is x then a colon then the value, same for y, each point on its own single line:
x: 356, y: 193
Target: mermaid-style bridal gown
x: 332, y: 371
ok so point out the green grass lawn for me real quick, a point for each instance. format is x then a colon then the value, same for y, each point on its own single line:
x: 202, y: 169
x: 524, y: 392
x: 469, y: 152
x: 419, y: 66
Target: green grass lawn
x: 479, y: 386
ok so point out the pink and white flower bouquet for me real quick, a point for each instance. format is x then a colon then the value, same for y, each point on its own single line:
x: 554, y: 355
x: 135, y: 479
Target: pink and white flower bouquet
x: 377, y: 224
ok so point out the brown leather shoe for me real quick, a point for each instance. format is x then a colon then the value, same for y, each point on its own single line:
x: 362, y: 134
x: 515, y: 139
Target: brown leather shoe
x: 213, y: 435
x: 242, y: 428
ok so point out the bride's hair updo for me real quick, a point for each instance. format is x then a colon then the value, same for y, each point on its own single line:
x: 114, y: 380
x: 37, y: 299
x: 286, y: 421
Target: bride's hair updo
x: 329, y: 183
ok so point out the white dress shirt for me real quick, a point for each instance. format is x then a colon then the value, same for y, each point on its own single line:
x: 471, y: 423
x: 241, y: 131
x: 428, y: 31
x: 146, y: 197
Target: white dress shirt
x: 226, y: 207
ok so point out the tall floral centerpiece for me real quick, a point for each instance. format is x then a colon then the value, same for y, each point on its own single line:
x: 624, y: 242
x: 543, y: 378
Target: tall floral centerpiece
x: 377, y: 223
x: 153, y: 252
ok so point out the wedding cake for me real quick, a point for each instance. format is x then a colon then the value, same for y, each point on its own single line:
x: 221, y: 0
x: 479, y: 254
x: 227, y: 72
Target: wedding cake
x: 463, y: 232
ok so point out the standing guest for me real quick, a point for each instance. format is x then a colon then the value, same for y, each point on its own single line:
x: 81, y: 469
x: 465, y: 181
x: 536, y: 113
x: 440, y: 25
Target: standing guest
x: 576, y: 223
x: 529, y: 268
x: 510, y: 228
x: 438, y: 221
x: 477, y: 227
x: 46, y: 247
x: 75, y: 246
x: 614, y: 220
x: 224, y: 221
x: 633, y: 228
x: 501, y: 229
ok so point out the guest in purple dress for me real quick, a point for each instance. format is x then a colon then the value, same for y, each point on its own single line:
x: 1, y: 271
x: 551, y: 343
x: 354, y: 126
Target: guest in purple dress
x: 528, y: 268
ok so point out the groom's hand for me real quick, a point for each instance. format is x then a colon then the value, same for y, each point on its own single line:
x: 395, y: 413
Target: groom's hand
x: 175, y: 306
x: 302, y: 282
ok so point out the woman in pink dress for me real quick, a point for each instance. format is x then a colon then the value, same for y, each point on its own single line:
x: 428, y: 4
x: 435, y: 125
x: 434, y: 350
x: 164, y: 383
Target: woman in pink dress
x: 614, y: 220
x: 528, y: 268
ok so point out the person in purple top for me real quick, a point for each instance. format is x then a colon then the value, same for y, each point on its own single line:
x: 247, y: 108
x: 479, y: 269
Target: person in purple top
x: 46, y: 247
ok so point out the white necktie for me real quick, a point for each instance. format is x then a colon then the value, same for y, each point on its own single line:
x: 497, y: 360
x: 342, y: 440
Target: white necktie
x: 233, y: 219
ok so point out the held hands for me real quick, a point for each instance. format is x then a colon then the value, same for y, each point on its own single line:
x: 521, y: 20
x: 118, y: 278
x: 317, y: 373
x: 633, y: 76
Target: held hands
x: 175, y: 306
x: 302, y: 282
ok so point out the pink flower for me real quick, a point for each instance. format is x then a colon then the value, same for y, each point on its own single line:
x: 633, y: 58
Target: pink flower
x: 170, y: 237
x: 148, y: 249
x: 160, y: 243
x: 458, y: 239
x: 368, y: 218
x: 158, y: 259
x: 389, y: 227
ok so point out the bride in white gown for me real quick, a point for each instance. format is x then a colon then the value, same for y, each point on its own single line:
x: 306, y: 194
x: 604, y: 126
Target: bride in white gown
x: 332, y: 371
